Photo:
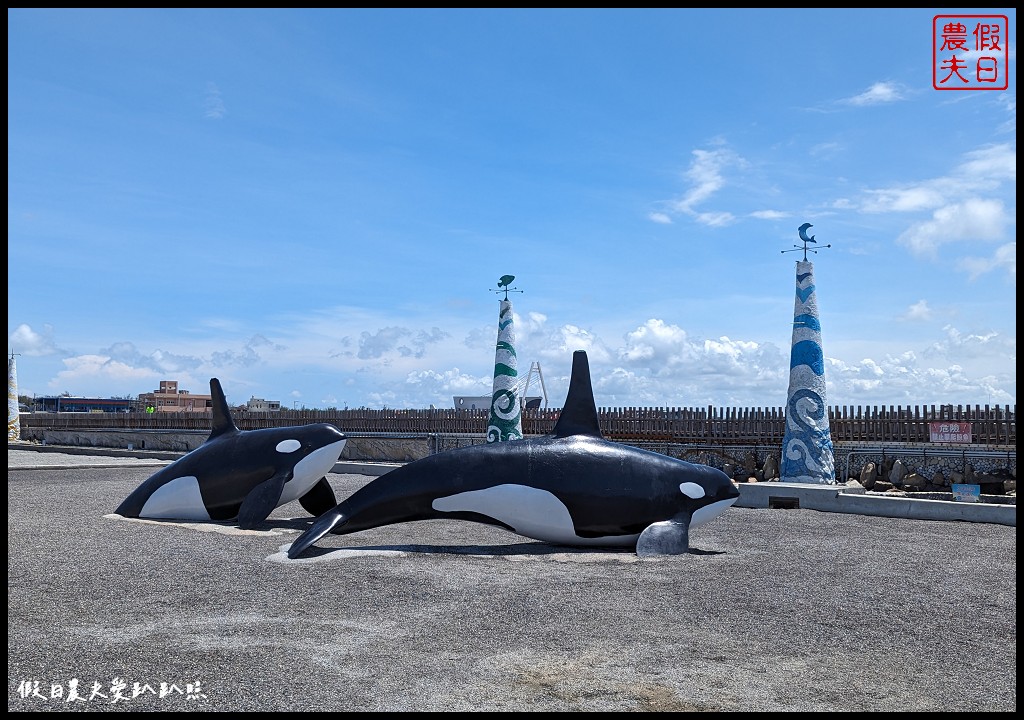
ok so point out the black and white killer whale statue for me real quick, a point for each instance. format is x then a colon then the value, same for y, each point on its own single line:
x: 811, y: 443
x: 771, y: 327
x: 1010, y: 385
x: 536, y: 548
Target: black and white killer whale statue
x: 243, y: 474
x: 571, y: 487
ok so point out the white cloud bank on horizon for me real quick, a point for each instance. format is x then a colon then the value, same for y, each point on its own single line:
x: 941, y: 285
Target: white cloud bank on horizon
x: 657, y: 364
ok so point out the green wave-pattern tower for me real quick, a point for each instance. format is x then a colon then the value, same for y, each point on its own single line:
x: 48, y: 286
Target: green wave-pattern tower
x: 13, y: 415
x: 807, y: 453
x: 506, y: 415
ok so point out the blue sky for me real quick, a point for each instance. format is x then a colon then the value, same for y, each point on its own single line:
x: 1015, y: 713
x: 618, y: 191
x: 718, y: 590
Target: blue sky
x: 315, y: 206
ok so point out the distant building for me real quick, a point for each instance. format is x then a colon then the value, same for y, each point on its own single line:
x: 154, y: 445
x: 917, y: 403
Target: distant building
x: 483, y: 402
x: 523, y: 388
x: 170, y: 399
x: 256, y: 404
x: 67, y: 403
x: 472, y: 402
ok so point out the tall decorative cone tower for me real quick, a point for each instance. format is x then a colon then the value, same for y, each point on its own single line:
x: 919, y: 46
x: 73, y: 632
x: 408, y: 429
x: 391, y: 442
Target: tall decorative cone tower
x: 506, y: 417
x: 807, y: 454
x: 13, y: 415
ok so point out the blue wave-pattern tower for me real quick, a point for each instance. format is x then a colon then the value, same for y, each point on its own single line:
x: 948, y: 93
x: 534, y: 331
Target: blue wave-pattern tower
x: 807, y: 455
x: 506, y: 416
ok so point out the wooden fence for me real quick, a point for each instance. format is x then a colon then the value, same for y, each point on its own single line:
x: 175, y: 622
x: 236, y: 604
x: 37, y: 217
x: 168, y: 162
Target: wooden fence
x: 995, y: 425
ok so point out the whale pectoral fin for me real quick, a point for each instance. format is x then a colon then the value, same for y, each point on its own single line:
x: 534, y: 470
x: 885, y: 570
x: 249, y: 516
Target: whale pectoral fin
x: 319, y: 499
x: 323, y: 525
x: 261, y: 501
x: 669, y: 537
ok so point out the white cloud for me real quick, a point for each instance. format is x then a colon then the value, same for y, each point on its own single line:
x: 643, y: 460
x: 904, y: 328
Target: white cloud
x: 397, y: 341
x: 880, y: 92
x: 769, y: 214
x: 964, y: 210
x: 898, y: 380
x: 706, y: 177
x: 726, y: 355
x: 660, y: 364
x: 991, y: 163
x: 660, y: 218
x: 666, y: 345
x: 213, y: 105
x: 825, y: 150
x: 973, y: 220
x: 526, y: 326
x: 449, y: 382
x: 1009, y: 103
x: 715, y: 219
x: 656, y: 364
x: 26, y: 341
x: 843, y: 204
x: 571, y: 338
x: 907, y: 199
x: 967, y: 345
x: 1004, y: 258
x: 980, y: 173
x: 167, y: 362
x: 622, y: 383
x: 705, y: 174
x: 85, y: 372
x: 918, y: 311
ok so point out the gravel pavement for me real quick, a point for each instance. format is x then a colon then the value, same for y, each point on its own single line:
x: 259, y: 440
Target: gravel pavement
x: 772, y: 610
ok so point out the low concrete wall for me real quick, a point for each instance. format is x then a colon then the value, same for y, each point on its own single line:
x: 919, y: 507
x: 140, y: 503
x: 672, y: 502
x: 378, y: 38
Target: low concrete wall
x: 395, y: 447
x: 767, y: 495
x: 372, y: 448
x: 857, y: 501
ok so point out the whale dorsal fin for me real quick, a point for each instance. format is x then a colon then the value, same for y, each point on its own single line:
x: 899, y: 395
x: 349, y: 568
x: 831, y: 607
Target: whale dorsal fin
x: 579, y: 414
x: 222, y: 422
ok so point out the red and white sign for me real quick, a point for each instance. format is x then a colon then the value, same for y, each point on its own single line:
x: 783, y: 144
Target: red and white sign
x: 970, y: 52
x: 950, y: 432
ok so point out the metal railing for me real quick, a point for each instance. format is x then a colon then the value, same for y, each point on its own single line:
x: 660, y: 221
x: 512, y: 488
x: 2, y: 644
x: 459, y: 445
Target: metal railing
x: 731, y: 426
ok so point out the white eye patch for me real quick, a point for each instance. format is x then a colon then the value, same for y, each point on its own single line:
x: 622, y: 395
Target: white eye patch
x: 691, y: 490
x: 287, y: 446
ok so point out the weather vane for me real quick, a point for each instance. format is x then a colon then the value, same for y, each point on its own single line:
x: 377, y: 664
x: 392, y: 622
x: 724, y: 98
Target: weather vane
x: 503, y: 285
x: 803, y: 236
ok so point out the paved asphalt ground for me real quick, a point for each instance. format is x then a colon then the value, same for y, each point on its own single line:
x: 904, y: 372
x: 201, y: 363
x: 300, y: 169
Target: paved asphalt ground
x: 772, y: 610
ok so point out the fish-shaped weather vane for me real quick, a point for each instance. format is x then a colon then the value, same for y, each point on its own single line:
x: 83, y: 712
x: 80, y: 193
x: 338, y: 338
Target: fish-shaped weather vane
x: 503, y: 285
x: 802, y: 231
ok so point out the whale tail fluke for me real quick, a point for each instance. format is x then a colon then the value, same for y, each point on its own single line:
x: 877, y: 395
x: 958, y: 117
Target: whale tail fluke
x: 669, y: 537
x: 323, y: 525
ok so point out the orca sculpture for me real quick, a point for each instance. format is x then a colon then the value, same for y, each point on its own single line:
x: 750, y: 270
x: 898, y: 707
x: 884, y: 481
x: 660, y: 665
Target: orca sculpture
x: 571, y: 487
x: 242, y: 474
